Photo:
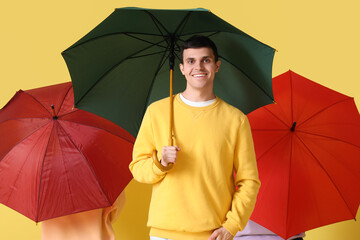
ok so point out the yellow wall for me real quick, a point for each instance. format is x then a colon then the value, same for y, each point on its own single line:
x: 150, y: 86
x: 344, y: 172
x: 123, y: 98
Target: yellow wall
x: 318, y: 39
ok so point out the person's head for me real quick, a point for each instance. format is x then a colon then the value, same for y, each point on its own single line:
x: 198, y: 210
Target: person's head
x: 198, y: 41
x: 199, y: 65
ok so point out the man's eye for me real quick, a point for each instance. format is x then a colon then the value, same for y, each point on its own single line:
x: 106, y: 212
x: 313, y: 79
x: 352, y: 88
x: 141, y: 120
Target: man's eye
x: 206, y: 60
x: 190, y: 61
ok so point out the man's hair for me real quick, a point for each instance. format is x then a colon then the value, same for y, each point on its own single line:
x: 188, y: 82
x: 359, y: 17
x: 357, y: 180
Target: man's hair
x: 198, y: 41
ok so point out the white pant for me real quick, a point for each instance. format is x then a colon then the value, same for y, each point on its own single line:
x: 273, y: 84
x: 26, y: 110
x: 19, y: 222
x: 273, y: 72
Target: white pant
x: 158, y: 238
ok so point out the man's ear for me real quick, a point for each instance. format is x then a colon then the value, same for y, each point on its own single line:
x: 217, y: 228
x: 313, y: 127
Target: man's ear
x: 218, y: 63
x: 181, y: 68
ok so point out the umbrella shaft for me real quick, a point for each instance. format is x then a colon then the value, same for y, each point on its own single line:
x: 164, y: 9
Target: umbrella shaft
x: 172, y: 54
x: 171, y: 109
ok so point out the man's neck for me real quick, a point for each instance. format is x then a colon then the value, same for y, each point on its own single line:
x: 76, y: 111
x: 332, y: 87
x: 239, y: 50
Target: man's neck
x: 198, y: 96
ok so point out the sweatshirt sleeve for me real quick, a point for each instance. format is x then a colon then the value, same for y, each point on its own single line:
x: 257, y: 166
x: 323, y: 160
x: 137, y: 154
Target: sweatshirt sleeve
x: 143, y: 166
x: 247, y: 182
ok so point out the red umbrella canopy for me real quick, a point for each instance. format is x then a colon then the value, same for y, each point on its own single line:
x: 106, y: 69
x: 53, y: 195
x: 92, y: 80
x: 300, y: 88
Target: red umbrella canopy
x: 55, y: 163
x: 308, y: 152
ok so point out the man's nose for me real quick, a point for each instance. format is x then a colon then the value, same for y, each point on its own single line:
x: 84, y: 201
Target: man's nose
x: 199, y: 65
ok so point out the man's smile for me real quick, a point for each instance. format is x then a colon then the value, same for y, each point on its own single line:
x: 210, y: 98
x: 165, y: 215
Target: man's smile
x: 199, y: 75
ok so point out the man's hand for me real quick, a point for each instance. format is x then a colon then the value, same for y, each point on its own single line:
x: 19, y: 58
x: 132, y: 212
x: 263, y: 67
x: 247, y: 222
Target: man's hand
x: 221, y: 234
x: 169, y: 155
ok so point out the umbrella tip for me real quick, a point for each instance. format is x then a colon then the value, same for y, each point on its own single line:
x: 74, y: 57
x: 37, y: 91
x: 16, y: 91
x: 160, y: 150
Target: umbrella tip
x: 53, y: 112
x: 293, y: 127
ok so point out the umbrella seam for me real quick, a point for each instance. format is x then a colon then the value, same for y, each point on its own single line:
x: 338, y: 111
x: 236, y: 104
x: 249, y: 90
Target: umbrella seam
x: 65, y: 95
x: 111, y: 69
x: 274, y: 115
x: 292, y: 98
x: 17, y: 175
x: 252, y: 81
x: 329, y: 137
x: 268, y: 129
x: 62, y: 153
x: 322, y: 167
x: 23, y: 118
x: 161, y: 63
x: 289, y: 188
x: 157, y: 23
x: 270, y: 148
x: 183, y: 23
x: 12, y: 99
x: 149, y: 54
x: 24, y: 138
x: 143, y: 40
x: 38, y: 102
x: 87, y: 163
x: 41, y: 173
x: 324, y: 109
x: 110, y: 34
x: 83, y: 124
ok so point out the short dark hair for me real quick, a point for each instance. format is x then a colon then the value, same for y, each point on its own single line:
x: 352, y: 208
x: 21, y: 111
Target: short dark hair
x: 198, y: 41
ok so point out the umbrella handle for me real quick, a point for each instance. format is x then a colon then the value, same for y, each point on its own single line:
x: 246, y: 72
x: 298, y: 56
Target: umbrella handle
x: 159, y: 165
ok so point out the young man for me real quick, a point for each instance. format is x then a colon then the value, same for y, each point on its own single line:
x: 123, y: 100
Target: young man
x: 196, y: 198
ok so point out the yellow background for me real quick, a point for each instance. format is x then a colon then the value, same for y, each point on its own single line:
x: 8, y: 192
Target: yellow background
x: 318, y: 39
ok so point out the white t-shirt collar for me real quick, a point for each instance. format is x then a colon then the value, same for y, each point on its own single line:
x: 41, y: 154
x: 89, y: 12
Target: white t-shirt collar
x: 196, y: 104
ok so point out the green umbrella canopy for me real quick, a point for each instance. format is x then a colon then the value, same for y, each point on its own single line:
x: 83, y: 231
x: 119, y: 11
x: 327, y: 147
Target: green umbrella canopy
x: 122, y: 65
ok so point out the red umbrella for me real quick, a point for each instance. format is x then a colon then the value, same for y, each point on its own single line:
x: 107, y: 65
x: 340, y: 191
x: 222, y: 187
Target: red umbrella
x: 59, y: 161
x: 308, y: 153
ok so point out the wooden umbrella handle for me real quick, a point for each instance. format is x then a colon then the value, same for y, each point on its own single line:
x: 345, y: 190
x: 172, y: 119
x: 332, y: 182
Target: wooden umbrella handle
x: 159, y: 165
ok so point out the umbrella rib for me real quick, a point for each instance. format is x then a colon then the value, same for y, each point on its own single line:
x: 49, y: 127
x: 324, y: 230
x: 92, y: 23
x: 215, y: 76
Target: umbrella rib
x: 258, y: 158
x: 328, y: 137
x: 149, y: 54
x: 41, y: 173
x: 83, y: 124
x: 110, y: 34
x: 182, y: 24
x: 24, y: 161
x: 322, y: 167
x: 111, y: 69
x: 289, y: 188
x: 24, y: 137
x: 269, y: 129
x: 87, y: 163
x: 292, y: 98
x: 248, y: 77
x: 324, y: 109
x: 274, y: 115
x: 38, y: 102
x: 161, y: 63
x: 157, y: 23
x: 23, y: 118
x: 143, y: 40
x: 62, y: 101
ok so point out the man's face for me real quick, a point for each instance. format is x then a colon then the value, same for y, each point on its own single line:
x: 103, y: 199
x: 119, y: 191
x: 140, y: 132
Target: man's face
x: 199, y: 68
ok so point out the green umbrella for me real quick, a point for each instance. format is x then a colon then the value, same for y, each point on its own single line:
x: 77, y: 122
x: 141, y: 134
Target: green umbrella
x: 123, y: 64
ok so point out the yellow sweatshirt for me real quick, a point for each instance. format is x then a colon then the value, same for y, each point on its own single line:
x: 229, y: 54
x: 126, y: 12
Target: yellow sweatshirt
x: 199, y: 193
